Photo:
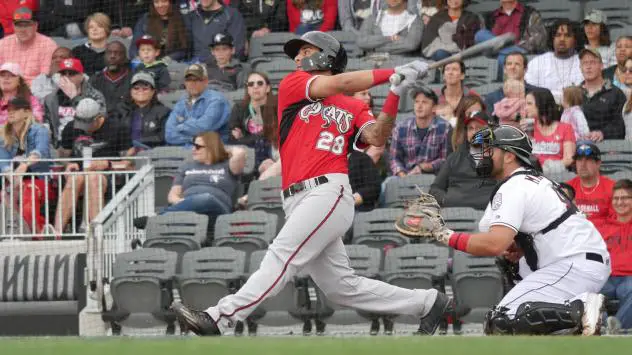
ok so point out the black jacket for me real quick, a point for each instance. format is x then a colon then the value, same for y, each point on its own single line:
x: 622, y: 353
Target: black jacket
x: 364, y: 179
x: 92, y: 60
x: 457, y: 184
x: 258, y: 14
x: 115, y: 92
x: 154, y: 118
x: 159, y: 71
x: 603, y: 111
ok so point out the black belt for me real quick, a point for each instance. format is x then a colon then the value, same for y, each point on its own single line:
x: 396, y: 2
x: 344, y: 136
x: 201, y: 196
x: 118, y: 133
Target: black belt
x: 303, y: 185
x: 594, y: 257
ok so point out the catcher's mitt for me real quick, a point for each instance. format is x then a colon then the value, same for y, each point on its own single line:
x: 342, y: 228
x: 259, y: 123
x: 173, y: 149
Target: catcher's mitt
x: 421, y: 218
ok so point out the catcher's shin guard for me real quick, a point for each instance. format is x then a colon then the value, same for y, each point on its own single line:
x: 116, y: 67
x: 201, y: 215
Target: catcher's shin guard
x: 536, y: 318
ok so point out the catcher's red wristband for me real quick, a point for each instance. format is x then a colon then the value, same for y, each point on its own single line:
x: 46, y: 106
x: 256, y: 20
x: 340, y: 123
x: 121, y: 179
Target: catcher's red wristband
x: 459, y: 241
x: 391, y: 104
x: 381, y: 76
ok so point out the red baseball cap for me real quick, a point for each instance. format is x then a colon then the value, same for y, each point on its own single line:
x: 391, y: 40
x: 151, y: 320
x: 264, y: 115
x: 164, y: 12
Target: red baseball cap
x: 73, y: 64
x: 23, y: 14
x: 481, y: 117
x: 147, y: 39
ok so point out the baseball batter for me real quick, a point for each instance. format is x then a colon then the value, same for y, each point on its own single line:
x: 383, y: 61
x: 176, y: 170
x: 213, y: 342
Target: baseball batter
x: 316, y: 125
x: 564, y: 260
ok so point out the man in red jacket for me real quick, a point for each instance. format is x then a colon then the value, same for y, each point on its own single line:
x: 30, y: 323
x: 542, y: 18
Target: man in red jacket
x: 617, y: 231
x: 8, y: 7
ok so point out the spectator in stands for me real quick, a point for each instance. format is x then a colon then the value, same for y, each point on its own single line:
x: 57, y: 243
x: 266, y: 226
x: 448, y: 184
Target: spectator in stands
x: 225, y: 73
x: 246, y: 119
x: 603, y: 102
x: 365, y: 181
x: 457, y: 184
x: 46, y: 83
x: 60, y: 105
x: 513, y: 106
x: 29, y: 49
x: 617, y: 231
x: 92, y: 53
x: 454, y: 90
x: 262, y: 17
x: 420, y: 143
x: 143, y: 114
x: 90, y: 127
x: 514, y: 68
x: 352, y: 13
x: 560, y: 68
x: 206, y: 185
x: 593, y: 190
x: 393, y: 30
x: 626, y: 78
x: 211, y: 18
x: 623, y: 51
x: 113, y: 81
x: 553, y: 141
x: 376, y: 153
x: 467, y: 106
x: 124, y: 15
x: 26, y: 142
x: 166, y: 24
x: 13, y: 85
x: 449, y: 31
x: 572, y: 99
x: 311, y: 15
x: 64, y: 18
x: 427, y: 8
x: 597, y: 36
x: 148, y: 52
x: 8, y: 7
x: 627, y: 108
x: 199, y: 110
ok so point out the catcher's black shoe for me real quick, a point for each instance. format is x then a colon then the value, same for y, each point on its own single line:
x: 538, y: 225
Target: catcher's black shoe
x: 430, y: 323
x: 198, y: 322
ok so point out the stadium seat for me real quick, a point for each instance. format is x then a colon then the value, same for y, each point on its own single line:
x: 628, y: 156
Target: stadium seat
x: 617, y: 11
x: 461, y: 219
x: 349, y: 42
x: 245, y: 230
x: 176, y: 231
x: 359, y: 64
x: 400, y: 190
x: 611, y: 163
x: 209, y: 274
x: 416, y: 266
x: 615, y: 146
x: 171, y: 98
x: 480, y: 71
x: 561, y: 176
x: 141, y: 288
x: 235, y: 96
x: 560, y: 9
x: 277, y: 69
x: 265, y: 195
x: 626, y: 174
x: 270, y: 45
x: 477, y: 283
x: 482, y: 7
x: 166, y: 162
x: 376, y: 228
x: 176, y: 72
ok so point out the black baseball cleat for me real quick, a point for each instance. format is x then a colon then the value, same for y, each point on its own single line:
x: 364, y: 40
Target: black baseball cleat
x: 198, y: 322
x: 430, y: 323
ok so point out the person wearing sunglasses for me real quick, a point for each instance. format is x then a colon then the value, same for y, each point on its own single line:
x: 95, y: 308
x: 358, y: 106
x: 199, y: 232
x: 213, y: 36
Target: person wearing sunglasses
x: 617, y: 232
x: 225, y: 72
x: 593, y: 191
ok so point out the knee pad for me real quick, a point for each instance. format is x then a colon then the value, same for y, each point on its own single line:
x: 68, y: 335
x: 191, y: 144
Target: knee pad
x: 536, y: 318
x: 497, y: 322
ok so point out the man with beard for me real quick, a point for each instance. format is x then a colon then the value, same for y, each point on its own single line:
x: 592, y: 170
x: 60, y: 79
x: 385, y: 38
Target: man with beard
x: 114, y: 80
x: 560, y: 68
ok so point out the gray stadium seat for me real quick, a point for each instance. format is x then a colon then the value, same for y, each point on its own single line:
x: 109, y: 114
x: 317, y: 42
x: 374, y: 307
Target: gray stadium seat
x: 616, y: 32
x: 245, y: 230
x: 141, y: 288
x: 349, y: 41
x: 559, y: 9
x: 270, y: 45
x: 627, y: 174
x: 400, y: 190
x: 127, y: 41
x: 615, y: 162
x: 249, y: 168
x: 64, y: 42
x: 477, y: 283
x: 461, y: 219
x: 359, y: 64
x: 480, y: 71
x: 171, y: 98
x: 562, y: 176
x: 265, y: 195
x: 618, y: 11
x: 277, y: 69
x: 615, y: 146
x: 166, y: 162
x: 482, y: 7
x: 376, y: 228
x: 209, y: 274
x: 416, y: 266
x: 176, y: 72
x: 234, y: 96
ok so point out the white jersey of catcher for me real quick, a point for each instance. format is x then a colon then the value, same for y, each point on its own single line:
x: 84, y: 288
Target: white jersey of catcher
x: 528, y: 204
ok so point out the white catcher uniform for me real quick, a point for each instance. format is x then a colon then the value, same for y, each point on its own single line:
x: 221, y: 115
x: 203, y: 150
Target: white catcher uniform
x: 572, y: 259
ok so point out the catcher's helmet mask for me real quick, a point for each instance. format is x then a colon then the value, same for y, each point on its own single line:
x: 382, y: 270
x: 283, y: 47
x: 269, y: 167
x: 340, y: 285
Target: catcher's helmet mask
x: 507, y: 138
x: 332, y: 56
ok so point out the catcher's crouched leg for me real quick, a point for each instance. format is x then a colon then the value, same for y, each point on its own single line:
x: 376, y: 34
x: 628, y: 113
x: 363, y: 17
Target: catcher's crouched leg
x: 536, y: 318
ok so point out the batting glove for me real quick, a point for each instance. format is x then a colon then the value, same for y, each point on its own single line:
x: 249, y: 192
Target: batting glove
x: 410, y: 75
x: 419, y: 66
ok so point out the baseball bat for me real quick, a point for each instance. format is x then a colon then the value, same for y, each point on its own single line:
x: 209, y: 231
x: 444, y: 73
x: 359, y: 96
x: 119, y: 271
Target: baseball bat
x: 493, y: 46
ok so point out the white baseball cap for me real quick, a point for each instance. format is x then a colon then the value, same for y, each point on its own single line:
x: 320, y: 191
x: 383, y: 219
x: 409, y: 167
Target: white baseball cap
x: 12, y: 68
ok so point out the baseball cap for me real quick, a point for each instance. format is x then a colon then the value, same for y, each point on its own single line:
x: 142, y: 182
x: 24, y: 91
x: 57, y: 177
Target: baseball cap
x: 222, y: 38
x: 19, y: 103
x: 197, y: 70
x: 479, y: 116
x: 595, y: 16
x: 72, y: 64
x: 426, y: 91
x: 592, y: 51
x: 145, y: 78
x: 22, y: 14
x: 12, y: 68
x: 86, y: 113
x: 588, y: 150
x: 147, y: 39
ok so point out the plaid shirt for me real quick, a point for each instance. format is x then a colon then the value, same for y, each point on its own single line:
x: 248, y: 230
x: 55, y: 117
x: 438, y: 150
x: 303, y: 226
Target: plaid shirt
x: 408, y: 150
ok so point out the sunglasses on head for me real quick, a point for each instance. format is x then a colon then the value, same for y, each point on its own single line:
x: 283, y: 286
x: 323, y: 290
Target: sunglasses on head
x: 258, y: 83
x: 584, y: 151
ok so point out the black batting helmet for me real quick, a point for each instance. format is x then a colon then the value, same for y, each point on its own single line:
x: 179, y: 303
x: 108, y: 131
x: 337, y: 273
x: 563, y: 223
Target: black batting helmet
x: 332, y: 55
x: 508, y: 138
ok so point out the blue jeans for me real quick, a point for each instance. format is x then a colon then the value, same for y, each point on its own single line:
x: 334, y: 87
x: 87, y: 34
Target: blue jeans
x: 205, y: 203
x: 620, y: 287
x: 486, y: 35
x: 306, y: 27
x: 440, y: 54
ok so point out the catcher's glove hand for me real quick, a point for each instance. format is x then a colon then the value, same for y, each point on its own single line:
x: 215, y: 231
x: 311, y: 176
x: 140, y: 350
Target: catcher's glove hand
x: 422, y: 219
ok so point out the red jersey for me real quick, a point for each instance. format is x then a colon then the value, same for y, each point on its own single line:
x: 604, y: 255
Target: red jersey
x: 315, y: 136
x: 551, y: 147
x: 618, y: 237
x: 595, y: 204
